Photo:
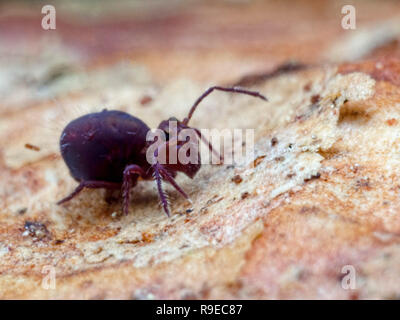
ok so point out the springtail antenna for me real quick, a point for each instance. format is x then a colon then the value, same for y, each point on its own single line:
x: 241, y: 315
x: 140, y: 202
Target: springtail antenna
x: 226, y: 89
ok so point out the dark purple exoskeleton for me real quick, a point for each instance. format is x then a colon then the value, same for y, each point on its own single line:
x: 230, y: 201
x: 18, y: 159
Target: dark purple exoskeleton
x: 108, y: 149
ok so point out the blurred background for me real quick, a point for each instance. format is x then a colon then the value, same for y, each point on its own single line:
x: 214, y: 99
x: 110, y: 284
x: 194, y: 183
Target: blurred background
x: 205, y: 41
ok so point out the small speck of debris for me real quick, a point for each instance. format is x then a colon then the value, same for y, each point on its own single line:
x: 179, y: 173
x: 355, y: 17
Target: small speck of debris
x: 245, y: 195
x: 147, y: 237
x: 363, y: 182
x: 291, y: 175
x: 307, y: 87
x: 391, y: 122
x: 274, y: 141
x: 189, y: 210
x: 315, y: 98
x: 204, y: 210
x: 265, y: 203
x: 300, y: 117
x: 315, y: 176
x: 231, y: 166
x: 145, y: 100
x: 36, y: 230
x: 355, y: 167
x: 214, y: 199
x: 59, y: 241
x: 22, y: 211
x: 279, y: 159
x: 114, y: 215
x: 257, y: 161
x: 32, y: 147
x: 237, y: 179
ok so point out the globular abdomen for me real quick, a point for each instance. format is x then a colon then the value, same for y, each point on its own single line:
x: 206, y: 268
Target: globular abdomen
x: 98, y: 146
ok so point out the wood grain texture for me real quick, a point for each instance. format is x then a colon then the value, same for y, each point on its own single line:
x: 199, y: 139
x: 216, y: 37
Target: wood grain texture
x: 321, y: 191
